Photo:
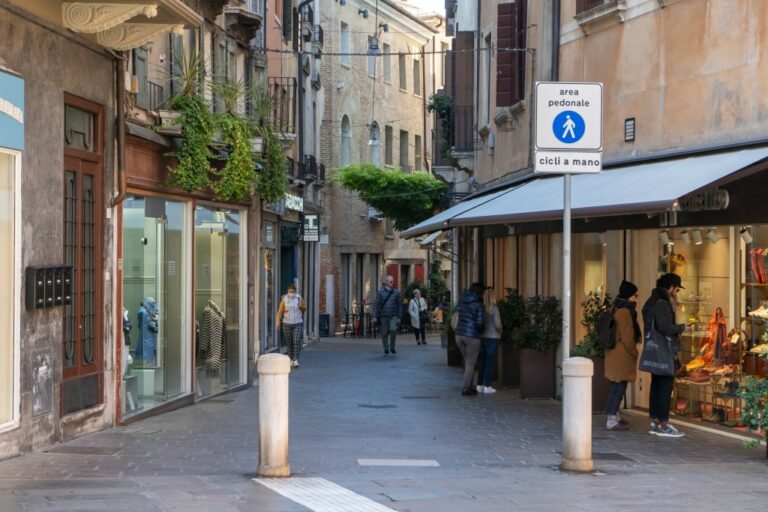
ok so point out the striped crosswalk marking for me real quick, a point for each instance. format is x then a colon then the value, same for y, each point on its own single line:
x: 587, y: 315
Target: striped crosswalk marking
x: 321, y: 495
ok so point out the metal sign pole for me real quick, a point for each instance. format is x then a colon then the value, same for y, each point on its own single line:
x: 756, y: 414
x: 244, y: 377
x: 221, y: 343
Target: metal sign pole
x: 566, y: 266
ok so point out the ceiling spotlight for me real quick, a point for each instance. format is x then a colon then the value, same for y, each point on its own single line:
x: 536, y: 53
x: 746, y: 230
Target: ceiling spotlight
x: 697, y: 237
x: 664, y: 237
x: 712, y: 236
x: 746, y: 235
x: 603, y: 240
x: 685, y: 237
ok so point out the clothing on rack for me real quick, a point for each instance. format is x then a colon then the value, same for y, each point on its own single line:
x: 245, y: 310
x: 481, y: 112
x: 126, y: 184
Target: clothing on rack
x: 213, y: 338
x: 149, y: 325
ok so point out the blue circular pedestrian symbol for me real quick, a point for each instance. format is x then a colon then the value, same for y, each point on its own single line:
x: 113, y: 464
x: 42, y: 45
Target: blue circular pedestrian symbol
x: 568, y: 127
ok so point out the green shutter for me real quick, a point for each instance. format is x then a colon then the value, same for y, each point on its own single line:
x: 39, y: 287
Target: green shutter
x: 140, y: 69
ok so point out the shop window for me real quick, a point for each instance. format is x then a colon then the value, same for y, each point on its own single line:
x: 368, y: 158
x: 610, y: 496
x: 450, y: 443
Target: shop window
x: 268, y: 276
x: 219, y: 302
x: 43, y: 370
x: 155, y: 304
x: 590, y: 277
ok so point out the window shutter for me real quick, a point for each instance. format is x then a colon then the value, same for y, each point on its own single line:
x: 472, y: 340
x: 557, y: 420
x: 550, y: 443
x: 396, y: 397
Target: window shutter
x: 506, y: 62
x: 140, y: 70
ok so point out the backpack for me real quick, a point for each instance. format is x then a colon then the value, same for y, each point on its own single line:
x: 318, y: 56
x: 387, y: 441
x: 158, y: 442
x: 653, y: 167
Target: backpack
x: 606, y: 330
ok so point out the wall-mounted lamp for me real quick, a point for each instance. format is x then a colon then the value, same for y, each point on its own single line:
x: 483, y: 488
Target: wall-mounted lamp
x: 342, y: 2
x: 384, y: 26
x: 746, y: 235
x: 712, y: 236
x: 685, y: 237
x: 697, y: 240
x: 664, y: 237
x: 363, y: 13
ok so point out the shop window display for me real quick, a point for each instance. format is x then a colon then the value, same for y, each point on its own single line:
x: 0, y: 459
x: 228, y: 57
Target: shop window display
x: 154, y: 280
x: 219, y: 338
x: 710, y: 371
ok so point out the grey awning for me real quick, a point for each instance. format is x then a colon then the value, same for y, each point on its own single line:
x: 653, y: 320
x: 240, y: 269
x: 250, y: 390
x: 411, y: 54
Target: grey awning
x: 431, y: 238
x: 642, y: 188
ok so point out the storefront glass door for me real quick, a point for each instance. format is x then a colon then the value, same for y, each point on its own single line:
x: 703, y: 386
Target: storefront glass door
x: 155, y: 284
x: 8, y: 350
x: 219, y: 301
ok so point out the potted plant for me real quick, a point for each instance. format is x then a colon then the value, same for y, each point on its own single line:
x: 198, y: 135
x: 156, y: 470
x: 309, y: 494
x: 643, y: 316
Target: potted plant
x: 442, y: 105
x: 754, y: 409
x: 537, y: 356
x: 513, y: 322
x: 594, y: 305
x: 272, y: 170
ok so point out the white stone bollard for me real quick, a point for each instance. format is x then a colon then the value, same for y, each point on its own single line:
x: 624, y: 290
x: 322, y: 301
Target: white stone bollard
x: 577, y: 414
x: 273, y: 415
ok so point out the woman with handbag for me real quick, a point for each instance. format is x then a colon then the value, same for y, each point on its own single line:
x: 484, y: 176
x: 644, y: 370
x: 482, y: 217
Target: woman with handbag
x: 662, y: 343
x: 621, y: 360
x: 419, y: 313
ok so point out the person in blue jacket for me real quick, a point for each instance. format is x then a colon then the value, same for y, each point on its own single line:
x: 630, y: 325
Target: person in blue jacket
x: 468, y: 330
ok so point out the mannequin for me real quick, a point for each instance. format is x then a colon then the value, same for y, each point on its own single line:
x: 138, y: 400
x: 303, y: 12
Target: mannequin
x: 127, y: 326
x: 149, y: 318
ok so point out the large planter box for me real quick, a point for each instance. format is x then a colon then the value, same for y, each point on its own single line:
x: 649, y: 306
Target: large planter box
x: 537, y: 373
x: 601, y: 386
x: 453, y: 353
x: 509, y: 366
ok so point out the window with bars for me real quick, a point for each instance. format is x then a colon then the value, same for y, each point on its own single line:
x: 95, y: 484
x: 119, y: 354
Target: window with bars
x: 510, y: 65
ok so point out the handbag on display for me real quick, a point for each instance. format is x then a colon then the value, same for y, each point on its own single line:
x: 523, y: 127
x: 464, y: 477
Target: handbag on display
x: 657, y: 357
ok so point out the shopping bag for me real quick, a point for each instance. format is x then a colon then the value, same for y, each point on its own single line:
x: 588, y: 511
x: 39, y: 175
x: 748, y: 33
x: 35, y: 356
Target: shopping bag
x: 657, y: 357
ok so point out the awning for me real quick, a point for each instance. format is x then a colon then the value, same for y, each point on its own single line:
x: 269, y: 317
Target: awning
x: 633, y: 189
x: 431, y: 238
x: 406, y: 256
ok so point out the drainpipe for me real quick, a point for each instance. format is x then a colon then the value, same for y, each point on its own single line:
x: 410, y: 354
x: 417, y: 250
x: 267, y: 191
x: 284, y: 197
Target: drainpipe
x: 424, y: 102
x: 555, y: 40
x: 120, y: 108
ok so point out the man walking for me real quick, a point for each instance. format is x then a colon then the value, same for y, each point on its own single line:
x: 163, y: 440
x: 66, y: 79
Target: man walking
x: 386, y: 311
x: 470, y: 326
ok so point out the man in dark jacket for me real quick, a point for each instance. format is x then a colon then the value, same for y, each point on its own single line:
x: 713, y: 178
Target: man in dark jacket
x: 470, y: 327
x: 387, y: 309
x: 659, y: 314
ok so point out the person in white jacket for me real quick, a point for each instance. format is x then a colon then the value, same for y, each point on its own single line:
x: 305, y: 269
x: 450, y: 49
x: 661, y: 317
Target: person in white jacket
x: 419, y: 313
x: 489, y: 344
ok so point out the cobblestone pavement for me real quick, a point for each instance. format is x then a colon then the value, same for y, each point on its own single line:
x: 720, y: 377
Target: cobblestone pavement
x: 349, y: 402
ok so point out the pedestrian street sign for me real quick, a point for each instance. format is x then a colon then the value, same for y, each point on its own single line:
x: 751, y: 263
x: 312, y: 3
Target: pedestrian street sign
x: 569, y: 127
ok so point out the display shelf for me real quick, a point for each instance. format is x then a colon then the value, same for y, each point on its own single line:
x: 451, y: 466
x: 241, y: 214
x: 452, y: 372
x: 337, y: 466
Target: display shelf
x: 754, y: 285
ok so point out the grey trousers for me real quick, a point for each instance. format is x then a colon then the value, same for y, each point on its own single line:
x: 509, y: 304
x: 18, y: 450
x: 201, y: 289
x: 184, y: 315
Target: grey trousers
x: 388, y: 332
x: 470, y: 348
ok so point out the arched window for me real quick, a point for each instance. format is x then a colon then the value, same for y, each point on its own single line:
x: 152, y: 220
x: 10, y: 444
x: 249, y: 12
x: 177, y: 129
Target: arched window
x: 374, y: 144
x: 346, y: 140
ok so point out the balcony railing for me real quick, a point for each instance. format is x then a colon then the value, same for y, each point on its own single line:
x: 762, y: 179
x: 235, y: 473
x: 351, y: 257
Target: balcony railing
x: 307, y: 23
x: 321, y: 173
x: 157, y: 97
x: 283, y: 116
x: 310, y: 167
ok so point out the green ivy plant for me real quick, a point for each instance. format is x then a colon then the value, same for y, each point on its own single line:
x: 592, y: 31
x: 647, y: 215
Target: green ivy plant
x: 545, y: 323
x: 406, y: 199
x: 513, y: 316
x: 595, y: 304
x: 193, y: 159
x: 442, y: 105
x: 754, y: 409
x: 271, y: 181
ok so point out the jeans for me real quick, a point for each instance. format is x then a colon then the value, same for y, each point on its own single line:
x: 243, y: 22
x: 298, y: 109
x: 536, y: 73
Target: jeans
x: 388, y: 331
x: 487, y: 359
x: 660, y: 396
x: 614, y: 397
x: 469, y: 348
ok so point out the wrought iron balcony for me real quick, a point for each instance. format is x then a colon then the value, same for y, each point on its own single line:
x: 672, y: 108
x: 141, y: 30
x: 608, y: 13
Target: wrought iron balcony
x: 282, y: 119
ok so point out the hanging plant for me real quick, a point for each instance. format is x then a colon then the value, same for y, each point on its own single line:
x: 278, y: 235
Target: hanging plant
x: 441, y: 104
x: 193, y: 158
x: 271, y: 181
x: 406, y: 199
x: 236, y: 179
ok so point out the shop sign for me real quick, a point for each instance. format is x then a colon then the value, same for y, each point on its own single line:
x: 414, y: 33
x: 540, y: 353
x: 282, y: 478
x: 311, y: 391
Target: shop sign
x: 311, y: 228
x: 295, y: 203
x: 11, y: 111
x: 569, y: 127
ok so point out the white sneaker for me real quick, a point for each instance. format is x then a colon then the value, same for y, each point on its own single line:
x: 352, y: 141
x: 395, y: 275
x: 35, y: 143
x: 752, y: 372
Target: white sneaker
x: 489, y: 390
x: 480, y: 389
x: 294, y: 364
